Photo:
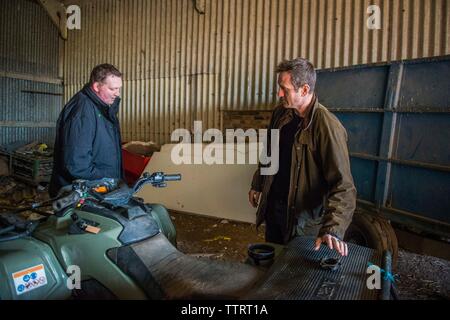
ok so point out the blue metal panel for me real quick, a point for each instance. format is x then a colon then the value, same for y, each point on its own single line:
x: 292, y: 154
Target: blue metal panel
x: 364, y: 131
x: 353, y: 87
x: 364, y: 174
x: 426, y: 85
x: 424, y: 137
x: 397, y: 117
x: 421, y: 191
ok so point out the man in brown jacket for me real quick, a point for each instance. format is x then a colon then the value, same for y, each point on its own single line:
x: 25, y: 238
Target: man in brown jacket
x: 313, y: 191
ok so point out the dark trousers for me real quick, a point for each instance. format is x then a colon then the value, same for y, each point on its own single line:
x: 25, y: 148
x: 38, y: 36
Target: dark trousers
x: 276, y: 222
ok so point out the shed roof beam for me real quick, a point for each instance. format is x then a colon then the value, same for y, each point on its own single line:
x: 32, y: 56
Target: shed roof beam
x: 57, y: 13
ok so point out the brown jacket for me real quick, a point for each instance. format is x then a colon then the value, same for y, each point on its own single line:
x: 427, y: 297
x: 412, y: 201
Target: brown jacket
x: 321, y: 181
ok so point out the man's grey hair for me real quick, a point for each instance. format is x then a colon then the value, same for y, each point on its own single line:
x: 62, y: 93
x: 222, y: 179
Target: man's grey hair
x: 302, y: 72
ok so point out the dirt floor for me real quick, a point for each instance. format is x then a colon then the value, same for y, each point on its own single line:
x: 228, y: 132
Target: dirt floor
x: 418, y: 277
x: 216, y: 238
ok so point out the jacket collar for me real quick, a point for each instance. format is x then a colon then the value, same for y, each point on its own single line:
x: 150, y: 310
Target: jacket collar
x: 310, y: 113
x: 106, y: 109
x: 306, y: 134
x: 288, y: 114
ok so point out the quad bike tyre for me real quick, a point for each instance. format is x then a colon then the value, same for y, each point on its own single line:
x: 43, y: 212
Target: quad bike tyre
x: 373, y: 232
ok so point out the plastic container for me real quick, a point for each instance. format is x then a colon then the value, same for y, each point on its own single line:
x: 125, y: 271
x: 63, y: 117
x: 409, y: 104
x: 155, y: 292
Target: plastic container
x: 133, y: 165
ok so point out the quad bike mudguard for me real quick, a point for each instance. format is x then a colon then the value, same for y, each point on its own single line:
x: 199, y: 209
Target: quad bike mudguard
x: 29, y: 270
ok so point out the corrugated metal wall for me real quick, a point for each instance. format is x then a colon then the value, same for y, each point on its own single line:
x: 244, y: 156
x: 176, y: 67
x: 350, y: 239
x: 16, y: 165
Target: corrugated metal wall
x: 29, y: 50
x: 29, y: 40
x: 29, y: 110
x: 181, y: 66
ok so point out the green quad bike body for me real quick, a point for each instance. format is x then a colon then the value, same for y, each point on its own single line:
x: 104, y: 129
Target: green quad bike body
x: 41, y: 265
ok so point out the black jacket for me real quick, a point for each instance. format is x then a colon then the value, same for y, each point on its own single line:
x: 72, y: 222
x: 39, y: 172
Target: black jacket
x: 88, y: 143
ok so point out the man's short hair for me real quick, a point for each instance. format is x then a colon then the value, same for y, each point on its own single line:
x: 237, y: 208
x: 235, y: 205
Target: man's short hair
x: 100, y: 72
x: 302, y: 72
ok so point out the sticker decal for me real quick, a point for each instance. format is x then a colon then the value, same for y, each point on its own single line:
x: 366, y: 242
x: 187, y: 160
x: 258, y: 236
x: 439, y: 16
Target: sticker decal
x: 29, y: 279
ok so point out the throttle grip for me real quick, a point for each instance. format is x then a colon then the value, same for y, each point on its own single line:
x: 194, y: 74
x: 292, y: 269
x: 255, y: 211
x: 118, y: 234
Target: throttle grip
x: 62, y: 203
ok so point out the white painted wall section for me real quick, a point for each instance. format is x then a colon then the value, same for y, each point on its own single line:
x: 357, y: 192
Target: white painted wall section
x: 218, y: 190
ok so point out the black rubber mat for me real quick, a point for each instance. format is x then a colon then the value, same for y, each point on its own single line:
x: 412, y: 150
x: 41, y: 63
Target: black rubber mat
x: 297, y: 274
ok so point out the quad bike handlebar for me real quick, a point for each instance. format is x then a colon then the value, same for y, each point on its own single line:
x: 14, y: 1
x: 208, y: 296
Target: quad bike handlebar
x: 116, y: 194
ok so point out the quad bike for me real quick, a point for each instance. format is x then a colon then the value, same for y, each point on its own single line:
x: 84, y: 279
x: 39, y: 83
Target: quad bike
x: 102, y: 242
x: 111, y: 238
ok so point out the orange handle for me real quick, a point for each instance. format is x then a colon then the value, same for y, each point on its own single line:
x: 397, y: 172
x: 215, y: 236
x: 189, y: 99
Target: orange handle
x: 101, y: 189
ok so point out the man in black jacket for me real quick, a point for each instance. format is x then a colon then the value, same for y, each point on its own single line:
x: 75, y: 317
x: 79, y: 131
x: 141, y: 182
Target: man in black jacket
x: 88, y: 143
